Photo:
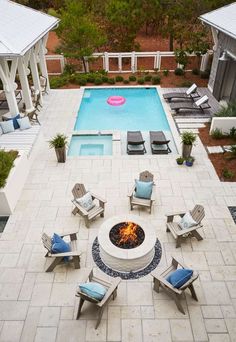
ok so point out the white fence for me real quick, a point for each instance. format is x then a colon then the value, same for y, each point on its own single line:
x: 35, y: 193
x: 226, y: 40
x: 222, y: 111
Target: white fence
x: 131, y: 61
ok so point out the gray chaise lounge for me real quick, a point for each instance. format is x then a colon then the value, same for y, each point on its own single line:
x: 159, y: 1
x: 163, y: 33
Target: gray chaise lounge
x: 200, y: 104
x: 190, y: 94
x: 135, y: 143
x: 159, y: 143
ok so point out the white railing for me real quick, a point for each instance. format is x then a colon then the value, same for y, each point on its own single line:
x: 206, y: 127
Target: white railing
x: 62, y: 62
x: 157, y: 57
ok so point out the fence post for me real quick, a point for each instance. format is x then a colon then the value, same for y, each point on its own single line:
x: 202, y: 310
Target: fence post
x: 204, y: 61
x: 62, y: 62
x: 157, y: 60
x: 133, y: 62
x: 120, y: 62
x: 106, y: 61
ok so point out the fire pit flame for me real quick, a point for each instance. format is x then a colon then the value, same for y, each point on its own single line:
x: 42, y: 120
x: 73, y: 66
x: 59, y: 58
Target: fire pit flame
x: 128, y: 233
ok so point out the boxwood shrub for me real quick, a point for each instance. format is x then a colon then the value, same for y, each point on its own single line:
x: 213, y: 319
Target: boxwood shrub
x: 140, y: 80
x: 98, y: 81
x: 179, y: 72
x: 119, y: 78
x: 111, y: 81
x: 132, y: 78
x: 156, y: 80
x: 147, y: 78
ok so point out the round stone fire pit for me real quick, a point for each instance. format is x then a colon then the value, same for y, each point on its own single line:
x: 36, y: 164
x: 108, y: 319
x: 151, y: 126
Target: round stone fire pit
x: 126, y: 256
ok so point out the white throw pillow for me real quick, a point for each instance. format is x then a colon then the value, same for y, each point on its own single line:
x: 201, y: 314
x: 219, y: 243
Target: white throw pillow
x: 187, y: 221
x: 86, y: 201
x: 24, y: 123
x: 7, y: 126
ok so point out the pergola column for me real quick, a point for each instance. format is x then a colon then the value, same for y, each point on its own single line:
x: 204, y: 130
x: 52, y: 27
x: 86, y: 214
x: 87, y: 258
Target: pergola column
x: 8, y: 79
x: 42, y: 60
x: 34, y: 71
x: 22, y: 69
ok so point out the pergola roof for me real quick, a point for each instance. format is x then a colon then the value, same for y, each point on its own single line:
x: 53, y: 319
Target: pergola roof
x: 223, y: 19
x: 21, y: 27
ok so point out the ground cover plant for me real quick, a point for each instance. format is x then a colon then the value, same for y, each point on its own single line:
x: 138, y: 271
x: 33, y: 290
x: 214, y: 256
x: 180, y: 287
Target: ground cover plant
x: 6, y: 163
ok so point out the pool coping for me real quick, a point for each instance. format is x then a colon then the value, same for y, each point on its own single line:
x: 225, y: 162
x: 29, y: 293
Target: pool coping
x: 116, y: 134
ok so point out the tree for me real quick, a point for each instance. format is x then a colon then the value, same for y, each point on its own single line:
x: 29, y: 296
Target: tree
x: 79, y: 34
x: 123, y: 22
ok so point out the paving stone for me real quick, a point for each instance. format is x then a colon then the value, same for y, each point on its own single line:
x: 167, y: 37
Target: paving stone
x: 131, y: 330
x: 211, y: 311
x: 11, y: 331
x: 215, y: 326
x: 231, y: 326
x: 216, y: 293
x: 46, y: 334
x: 41, y: 295
x: 71, y: 330
x: 156, y: 330
x: 181, y: 330
x: 197, y: 322
x: 62, y: 294
x: 98, y: 334
x: 49, y: 317
x: 13, y: 310
x: 30, y: 324
x: 114, y: 324
x: 219, y: 338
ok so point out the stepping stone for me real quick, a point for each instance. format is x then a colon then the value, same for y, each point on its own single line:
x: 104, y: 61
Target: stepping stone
x: 215, y: 149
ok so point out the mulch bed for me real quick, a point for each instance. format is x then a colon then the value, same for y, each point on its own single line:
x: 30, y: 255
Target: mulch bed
x: 207, y: 140
x: 220, y: 161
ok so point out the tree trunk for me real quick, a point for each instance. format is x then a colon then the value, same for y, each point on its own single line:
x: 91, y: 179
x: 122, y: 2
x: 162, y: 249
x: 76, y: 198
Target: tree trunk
x: 171, y: 42
x: 84, y: 64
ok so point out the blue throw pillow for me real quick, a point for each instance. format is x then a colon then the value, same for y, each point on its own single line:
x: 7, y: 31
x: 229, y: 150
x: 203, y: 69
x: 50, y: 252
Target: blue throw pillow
x: 93, y: 290
x: 143, y: 189
x: 14, y: 120
x: 179, y: 277
x: 60, y: 246
x: 7, y: 126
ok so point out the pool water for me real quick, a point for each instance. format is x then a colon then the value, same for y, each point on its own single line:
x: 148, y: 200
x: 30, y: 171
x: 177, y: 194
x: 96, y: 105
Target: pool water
x: 142, y: 110
x: 90, y: 145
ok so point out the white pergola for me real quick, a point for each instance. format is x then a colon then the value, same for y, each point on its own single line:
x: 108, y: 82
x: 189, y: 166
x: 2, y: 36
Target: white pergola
x: 23, y: 38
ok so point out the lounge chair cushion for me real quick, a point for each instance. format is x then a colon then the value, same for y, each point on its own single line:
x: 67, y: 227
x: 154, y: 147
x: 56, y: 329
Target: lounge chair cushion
x: 86, y: 201
x: 143, y: 189
x: 179, y: 277
x: 24, y: 123
x: 187, y: 221
x: 93, y: 290
x: 7, y: 126
x: 1, y: 131
x: 60, y: 246
x: 15, y: 121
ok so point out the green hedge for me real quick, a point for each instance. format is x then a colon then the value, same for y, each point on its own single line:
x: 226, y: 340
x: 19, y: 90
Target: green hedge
x: 6, y: 164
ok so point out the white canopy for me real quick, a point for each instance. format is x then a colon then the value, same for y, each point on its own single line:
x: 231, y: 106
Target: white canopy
x: 21, y: 27
x: 222, y: 19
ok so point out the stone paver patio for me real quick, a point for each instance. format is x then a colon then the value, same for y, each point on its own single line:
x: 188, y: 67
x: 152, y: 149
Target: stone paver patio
x: 39, y: 306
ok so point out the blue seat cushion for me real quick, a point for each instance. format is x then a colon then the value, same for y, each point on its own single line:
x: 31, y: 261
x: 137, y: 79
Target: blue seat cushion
x: 60, y: 246
x: 14, y: 120
x: 179, y: 277
x: 143, y: 189
x: 93, y: 290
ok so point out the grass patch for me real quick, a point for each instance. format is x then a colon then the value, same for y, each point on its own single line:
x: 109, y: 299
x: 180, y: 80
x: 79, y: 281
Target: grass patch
x: 6, y: 163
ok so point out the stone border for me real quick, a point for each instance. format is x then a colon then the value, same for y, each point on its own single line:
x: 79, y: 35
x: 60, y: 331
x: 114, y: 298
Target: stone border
x: 131, y: 275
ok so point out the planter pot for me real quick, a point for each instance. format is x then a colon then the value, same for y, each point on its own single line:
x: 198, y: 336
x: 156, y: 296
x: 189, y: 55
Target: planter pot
x: 186, y: 152
x: 10, y: 194
x: 61, y: 154
x: 189, y: 163
x: 179, y: 162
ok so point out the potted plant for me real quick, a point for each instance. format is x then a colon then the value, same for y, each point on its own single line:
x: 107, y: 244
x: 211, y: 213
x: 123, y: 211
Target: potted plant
x: 181, y: 58
x: 59, y: 143
x: 180, y: 160
x: 189, y: 161
x: 188, y: 139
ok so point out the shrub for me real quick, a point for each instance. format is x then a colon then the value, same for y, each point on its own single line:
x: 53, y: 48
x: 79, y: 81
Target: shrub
x: 58, y: 141
x: 140, y: 80
x: 105, y: 79
x: 217, y: 134
x: 179, y: 72
x: 226, y: 111
x: 147, y: 78
x: 126, y: 81
x: 58, y: 82
x: 82, y: 82
x: 196, y: 71
x: 132, y: 78
x: 188, y: 138
x: 119, y: 78
x: 204, y: 74
x: 69, y: 69
x: 90, y: 78
x: 156, y: 80
x: 166, y: 72
x: 232, y: 133
x: 6, y: 163
x: 98, y: 81
x: 111, y: 81
x: 228, y: 174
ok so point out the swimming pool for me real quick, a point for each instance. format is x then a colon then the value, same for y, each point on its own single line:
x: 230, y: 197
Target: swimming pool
x: 142, y: 110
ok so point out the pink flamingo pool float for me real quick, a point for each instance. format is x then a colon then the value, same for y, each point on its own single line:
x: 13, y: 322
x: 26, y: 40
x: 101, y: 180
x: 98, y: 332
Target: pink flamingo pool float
x: 116, y: 100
